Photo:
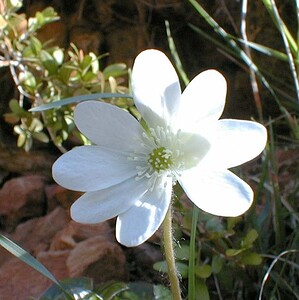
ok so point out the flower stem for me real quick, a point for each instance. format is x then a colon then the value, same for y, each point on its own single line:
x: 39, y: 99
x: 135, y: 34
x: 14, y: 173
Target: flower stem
x: 169, y: 256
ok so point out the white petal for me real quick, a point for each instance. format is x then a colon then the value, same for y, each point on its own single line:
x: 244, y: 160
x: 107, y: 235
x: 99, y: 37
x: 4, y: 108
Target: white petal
x: 141, y: 221
x: 194, y: 148
x: 99, y: 206
x: 203, y: 100
x: 91, y: 168
x: 235, y: 142
x: 156, y: 87
x: 220, y: 193
x: 107, y: 125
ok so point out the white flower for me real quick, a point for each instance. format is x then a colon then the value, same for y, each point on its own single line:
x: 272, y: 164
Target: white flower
x: 129, y: 171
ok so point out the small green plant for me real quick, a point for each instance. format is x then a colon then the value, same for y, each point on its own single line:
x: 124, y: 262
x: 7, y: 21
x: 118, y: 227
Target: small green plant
x: 44, y: 74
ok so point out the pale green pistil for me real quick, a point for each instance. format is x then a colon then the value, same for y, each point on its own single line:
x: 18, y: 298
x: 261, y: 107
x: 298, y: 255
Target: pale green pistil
x: 160, y: 159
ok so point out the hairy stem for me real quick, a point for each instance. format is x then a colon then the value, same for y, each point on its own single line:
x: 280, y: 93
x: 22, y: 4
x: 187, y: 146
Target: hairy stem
x: 169, y: 256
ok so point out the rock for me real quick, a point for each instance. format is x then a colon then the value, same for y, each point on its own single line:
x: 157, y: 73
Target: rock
x: 21, y: 198
x: 35, y: 235
x: 19, y: 281
x: 66, y: 248
x: 55, y: 262
x: 74, y: 233
x: 118, y: 40
x: 30, y: 163
x: 57, y: 195
x: 99, y: 259
x: 86, y: 39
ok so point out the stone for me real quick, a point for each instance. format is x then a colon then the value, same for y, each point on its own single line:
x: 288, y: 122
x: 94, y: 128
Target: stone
x: 35, y: 235
x: 21, y: 198
x: 99, y: 259
x: 74, y: 233
x: 66, y: 248
x: 19, y: 281
x: 27, y: 163
x: 57, y: 195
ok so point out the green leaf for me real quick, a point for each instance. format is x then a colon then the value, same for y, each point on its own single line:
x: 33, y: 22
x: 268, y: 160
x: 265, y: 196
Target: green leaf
x: 115, y: 70
x: 78, y: 99
x: 26, y: 78
x: 233, y: 252
x: 89, y: 77
x: 21, y: 138
x: 161, y: 292
x: 41, y: 136
x: 15, y: 4
x: 49, y: 15
x: 203, y: 271
x: 250, y: 237
x: 161, y: 266
x: 214, y: 224
x: 110, y: 290
x: 18, y: 110
x: 35, y: 45
x: 86, y: 62
x: 182, y: 253
x: 77, y: 287
x: 251, y: 258
x: 48, y: 62
x: 202, y: 292
x: 217, y: 264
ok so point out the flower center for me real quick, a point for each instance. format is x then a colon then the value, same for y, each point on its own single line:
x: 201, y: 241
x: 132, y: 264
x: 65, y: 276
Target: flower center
x: 160, y: 159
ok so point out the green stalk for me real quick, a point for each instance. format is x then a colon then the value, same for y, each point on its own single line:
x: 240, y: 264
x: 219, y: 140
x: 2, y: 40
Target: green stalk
x: 169, y: 256
x: 287, y: 40
x: 192, y: 255
x: 175, y: 55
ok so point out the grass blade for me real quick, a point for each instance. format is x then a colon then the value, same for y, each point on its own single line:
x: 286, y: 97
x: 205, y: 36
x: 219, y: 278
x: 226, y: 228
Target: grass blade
x: 238, y: 52
x: 192, y: 255
x: 24, y: 256
x: 78, y: 99
x: 175, y: 55
x: 287, y: 40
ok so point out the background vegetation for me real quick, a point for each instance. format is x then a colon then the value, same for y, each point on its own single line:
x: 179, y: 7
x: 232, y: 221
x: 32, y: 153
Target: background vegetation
x: 88, y: 48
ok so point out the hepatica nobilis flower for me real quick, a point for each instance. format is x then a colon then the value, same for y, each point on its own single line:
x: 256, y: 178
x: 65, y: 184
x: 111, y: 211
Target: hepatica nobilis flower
x: 130, y: 170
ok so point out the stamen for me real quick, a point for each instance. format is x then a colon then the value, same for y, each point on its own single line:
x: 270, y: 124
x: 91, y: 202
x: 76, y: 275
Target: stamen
x: 160, y: 159
x: 161, y: 155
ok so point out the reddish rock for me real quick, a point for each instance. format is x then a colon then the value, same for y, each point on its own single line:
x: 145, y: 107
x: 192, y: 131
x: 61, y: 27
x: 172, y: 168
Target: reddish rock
x: 18, y: 281
x: 21, y: 198
x: 57, y: 195
x: 74, y: 233
x: 36, y: 235
x: 66, y: 248
x: 55, y: 262
x: 97, y: 258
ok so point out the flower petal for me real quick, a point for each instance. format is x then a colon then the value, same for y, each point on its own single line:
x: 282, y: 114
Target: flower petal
x: 220, y: 193
x: 107, y: 125
x: 99, y: 206
x: 194, y: 148
x: 91, y: 168
x: 202, y: 100
x: 235, y: 142
x: 141, y: 221
x: 156, y: 87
